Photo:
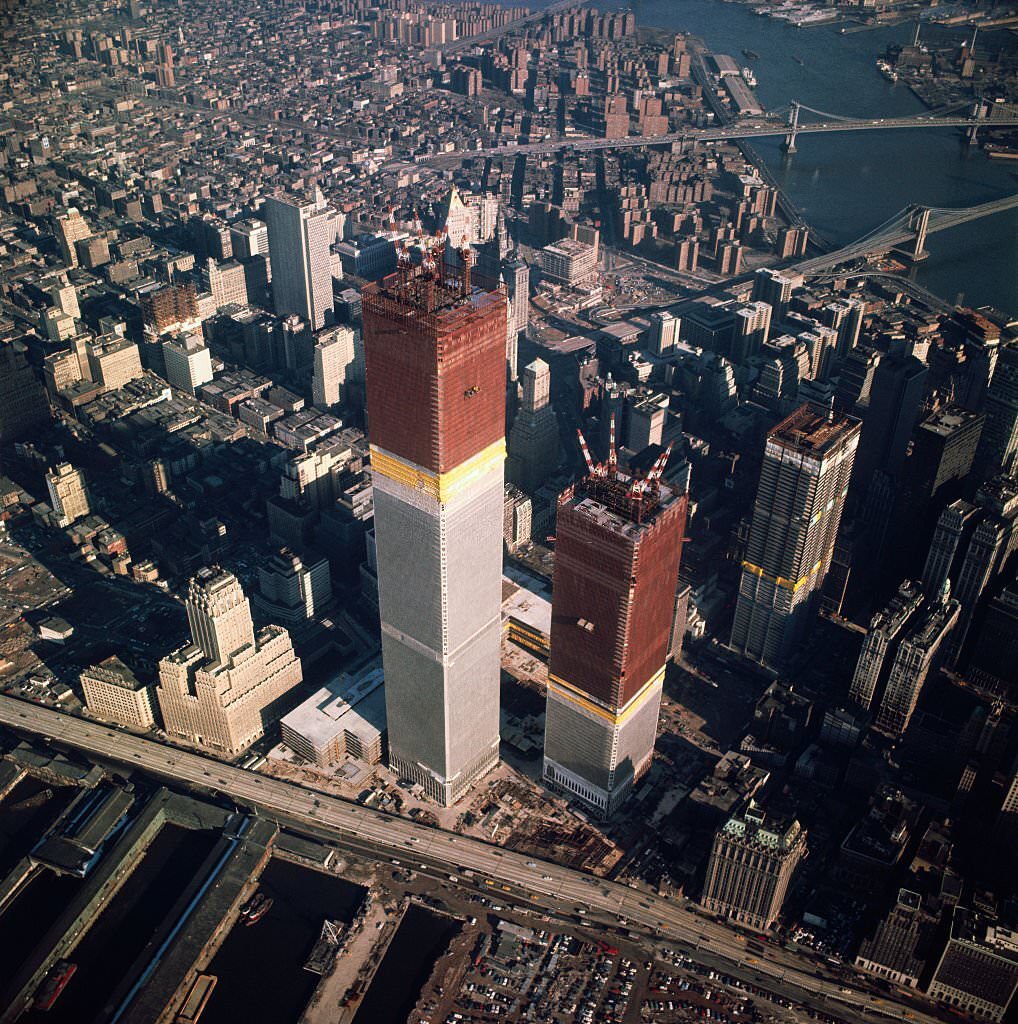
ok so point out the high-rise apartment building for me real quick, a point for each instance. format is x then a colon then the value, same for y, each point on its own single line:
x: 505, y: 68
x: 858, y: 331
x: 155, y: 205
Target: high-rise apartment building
x: 775, y: 288
x: 434, y: 346
x: 223, y: 689
x: 335, y: 353
x: 804, y: 480
x: 751, y: 864
x: 533, y: 440
x: 67, y: 493
x: 617, y: 549
x: 299, y: 238
x: 918, y: 654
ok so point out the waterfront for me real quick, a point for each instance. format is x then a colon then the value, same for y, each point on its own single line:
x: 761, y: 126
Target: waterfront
x: 261, y: 968
x: 847, y: 184
x: 128, y: 923
x: 408, y: 962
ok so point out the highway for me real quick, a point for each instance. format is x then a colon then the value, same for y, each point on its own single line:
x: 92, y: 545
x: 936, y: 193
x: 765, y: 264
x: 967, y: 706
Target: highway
x: 506, y: 876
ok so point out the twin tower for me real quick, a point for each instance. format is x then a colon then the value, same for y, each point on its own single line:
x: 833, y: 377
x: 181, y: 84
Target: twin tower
x: 435, y: 353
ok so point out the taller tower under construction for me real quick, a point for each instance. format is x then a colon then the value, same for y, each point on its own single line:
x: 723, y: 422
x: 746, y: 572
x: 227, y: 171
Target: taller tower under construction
x: 617, y: 549
x: 434, y: 347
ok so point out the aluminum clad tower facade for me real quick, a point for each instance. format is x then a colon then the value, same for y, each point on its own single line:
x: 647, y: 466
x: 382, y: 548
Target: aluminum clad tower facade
x: 434, y: 346
x: 616, y: 572
x: 804, y: 480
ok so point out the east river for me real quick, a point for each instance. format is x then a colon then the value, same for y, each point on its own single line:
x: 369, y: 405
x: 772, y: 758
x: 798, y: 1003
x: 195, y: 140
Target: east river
x: 847, y: 183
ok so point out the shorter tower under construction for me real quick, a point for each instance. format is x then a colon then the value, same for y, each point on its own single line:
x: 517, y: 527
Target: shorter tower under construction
x: 618, y: 545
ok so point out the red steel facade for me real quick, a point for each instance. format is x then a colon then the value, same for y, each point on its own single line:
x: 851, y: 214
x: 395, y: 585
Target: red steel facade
x: 435, y: 380
x: 614, y: 594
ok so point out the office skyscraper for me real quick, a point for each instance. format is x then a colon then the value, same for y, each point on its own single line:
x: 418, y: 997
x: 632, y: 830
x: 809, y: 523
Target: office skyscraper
x: 899, y: 384
x: 533, y: 440
x: 23, y: 405
x: 878, y: 649
x: 804, y: 479
x: 67, y: 493
x: 617, y: 550
x: 918, y: 654
x: 434, y: 346
x: 998, y: 446
x: 299, y: 236
x: 334, y: 356
x: 751, y: 864
x: 222, y: 690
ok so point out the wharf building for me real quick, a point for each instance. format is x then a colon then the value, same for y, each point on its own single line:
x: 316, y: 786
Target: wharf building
x: 617, y: 552
x: 223, y: 689
x: 804, y: 481
x: 434, y: 347
x: 751, y: 865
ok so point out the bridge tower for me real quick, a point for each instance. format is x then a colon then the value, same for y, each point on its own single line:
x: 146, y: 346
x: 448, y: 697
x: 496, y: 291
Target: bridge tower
x: 979, y: 113
x: 793, y: 126
x: 919, y: 222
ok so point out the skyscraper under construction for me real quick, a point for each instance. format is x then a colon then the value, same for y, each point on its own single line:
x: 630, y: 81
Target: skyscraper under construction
x: 804, y: 479
x: 434, y: 346
x: 617, y: 550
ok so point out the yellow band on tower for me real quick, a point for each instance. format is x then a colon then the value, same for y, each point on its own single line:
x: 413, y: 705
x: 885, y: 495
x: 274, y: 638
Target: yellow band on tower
x: 576, y: 696
x: 443, y: 487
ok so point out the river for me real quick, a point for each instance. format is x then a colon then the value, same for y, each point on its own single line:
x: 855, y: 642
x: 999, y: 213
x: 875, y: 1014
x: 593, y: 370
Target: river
x: 847, y: 184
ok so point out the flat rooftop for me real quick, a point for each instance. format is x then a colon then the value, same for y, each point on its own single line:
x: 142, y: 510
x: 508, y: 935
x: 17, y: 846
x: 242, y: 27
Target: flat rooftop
x: 806, y: 430
x: 346, y: 703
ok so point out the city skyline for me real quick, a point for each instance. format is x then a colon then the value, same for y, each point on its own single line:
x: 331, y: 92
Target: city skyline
x: 508, y: 513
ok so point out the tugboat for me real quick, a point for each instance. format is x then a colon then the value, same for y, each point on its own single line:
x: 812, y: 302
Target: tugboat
x: 56, y: 981
x: 260, y: 907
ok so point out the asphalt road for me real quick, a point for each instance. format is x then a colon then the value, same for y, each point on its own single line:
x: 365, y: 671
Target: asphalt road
x: 506, y: 876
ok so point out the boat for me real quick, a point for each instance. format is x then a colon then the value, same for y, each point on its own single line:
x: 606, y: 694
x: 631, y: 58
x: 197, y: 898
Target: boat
x: 749, y: 78
x: 751, y: 54
x: 197, y: 999
x: 887, y: 71
x: 259, y: 912
x: 251, y: 904
x: 56, y: 981
x: 798, y: 60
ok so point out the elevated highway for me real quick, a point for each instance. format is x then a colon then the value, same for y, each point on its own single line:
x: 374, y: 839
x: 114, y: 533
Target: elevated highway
x: 507, y: 876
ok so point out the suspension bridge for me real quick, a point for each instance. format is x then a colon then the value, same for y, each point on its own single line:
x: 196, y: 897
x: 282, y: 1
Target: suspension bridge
x: 787, y: 123
x: 905, y: 233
